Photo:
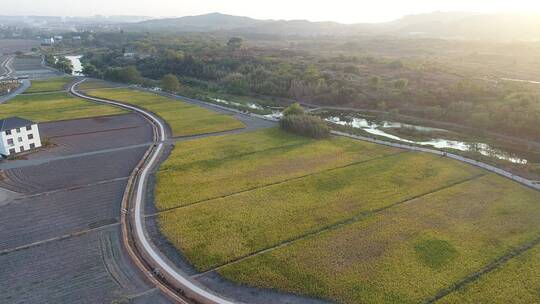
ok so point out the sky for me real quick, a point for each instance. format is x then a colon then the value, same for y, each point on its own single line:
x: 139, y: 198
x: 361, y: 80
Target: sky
x: 345, y: 11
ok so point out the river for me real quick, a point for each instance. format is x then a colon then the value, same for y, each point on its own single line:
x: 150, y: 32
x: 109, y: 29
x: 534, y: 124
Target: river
x: 382, y: 129
x: 76, y: 63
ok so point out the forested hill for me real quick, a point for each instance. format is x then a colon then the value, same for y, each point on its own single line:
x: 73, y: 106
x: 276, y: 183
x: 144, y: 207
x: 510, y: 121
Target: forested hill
x: 506, y: 27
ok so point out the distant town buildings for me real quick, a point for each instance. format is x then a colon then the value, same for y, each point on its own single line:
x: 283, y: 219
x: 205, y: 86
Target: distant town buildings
x: 18, y: 135
x: 47, y: 41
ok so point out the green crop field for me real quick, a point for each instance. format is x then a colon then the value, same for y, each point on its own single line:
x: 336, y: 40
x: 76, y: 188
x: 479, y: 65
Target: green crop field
x: 517, y: 282
x: 188, y: 183
x: 227, y: 146
x: 184, y: 119
x: 342, y: 220
x: 404, y: 254
x: 54, y: 106
x: 92, y: 84
x: 49, y: 85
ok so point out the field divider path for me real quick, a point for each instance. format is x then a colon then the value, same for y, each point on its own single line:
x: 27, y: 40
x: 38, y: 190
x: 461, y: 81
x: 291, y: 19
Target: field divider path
x: 513, y: 253
x: 58, y: 238
x: 337, y: 225
x: 276, y: 183
x: 157, y: 269
x: 102, y: 182
x: 45, y: 92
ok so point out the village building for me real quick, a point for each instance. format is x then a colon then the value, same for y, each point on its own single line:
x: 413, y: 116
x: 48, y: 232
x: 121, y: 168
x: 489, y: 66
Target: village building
x: 18, y: 135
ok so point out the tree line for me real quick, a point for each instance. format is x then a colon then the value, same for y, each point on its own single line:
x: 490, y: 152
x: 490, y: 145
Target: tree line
x: 387, y: 84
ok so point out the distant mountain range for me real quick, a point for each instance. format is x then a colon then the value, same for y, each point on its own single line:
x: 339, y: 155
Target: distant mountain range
x: 505, y: 27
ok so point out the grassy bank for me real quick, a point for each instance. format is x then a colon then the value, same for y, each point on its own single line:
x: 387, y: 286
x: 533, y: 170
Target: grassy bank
x: 184, y: 119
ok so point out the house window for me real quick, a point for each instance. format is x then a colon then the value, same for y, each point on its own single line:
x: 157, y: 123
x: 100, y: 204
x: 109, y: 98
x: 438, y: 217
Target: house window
x: 21, y: 148
x: 32, y: 146
x: 10, y: 141
x: 18, y: 130
x: 20, y: 139
x: 8, y: 132
x: 28, y: 128
x: 30, y: 136
x: 11, y: 151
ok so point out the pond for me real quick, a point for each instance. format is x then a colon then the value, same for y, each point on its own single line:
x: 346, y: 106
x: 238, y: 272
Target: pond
x: 383, y: 129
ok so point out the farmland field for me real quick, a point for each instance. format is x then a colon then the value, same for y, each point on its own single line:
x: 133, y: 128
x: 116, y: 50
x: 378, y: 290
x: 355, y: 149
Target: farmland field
x: 92, y: 84
x: 49, y: 85
x: 338, y: 219
x: 405, y: 254
x: 54, y: 106
x: 184, y: 119
x: 188, y: 183
x: 516, y: 282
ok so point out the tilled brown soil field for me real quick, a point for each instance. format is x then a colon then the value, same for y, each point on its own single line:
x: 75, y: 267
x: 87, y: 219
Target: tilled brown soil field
x: 59, y: 234
x: 93, y: 134
x: 31, y: 66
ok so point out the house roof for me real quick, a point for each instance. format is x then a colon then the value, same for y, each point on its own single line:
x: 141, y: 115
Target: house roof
x: 14, y: 123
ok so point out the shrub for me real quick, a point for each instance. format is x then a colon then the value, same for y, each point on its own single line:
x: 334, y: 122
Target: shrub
x: 170, y: 83
x: 294, y: 109
x: 306, y: 125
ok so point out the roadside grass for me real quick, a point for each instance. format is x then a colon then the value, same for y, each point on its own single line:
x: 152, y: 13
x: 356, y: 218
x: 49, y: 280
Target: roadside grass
x: 398, y: 255
x: 183, y: 184
x: 221, y: 230
x: 49, y: 85
x: 516, y: 282
x: 184, y: 119
x: 53, y: 107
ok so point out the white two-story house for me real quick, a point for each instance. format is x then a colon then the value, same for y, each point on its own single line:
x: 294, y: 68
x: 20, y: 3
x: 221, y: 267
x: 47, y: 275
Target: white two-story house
x: 18, y: 135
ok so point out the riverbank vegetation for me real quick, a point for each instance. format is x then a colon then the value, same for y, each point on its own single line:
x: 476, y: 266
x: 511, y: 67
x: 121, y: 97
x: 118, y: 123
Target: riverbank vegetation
x: 184, y: 119
x: 60, y: 63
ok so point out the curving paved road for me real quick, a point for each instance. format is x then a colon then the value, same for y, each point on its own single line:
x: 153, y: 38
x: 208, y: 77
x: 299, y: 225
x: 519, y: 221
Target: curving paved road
x: 152, y: 255
x: 6, y: 66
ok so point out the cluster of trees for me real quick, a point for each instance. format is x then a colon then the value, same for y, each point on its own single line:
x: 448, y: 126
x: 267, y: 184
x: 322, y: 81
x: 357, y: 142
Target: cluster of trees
x: 236, y: 69
x: 296, y: 121
x: 508, y: 108
x: 60, y: 63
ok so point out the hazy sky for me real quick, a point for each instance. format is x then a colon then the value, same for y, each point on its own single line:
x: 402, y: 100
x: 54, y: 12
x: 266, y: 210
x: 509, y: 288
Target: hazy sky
x: 347, y: 11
